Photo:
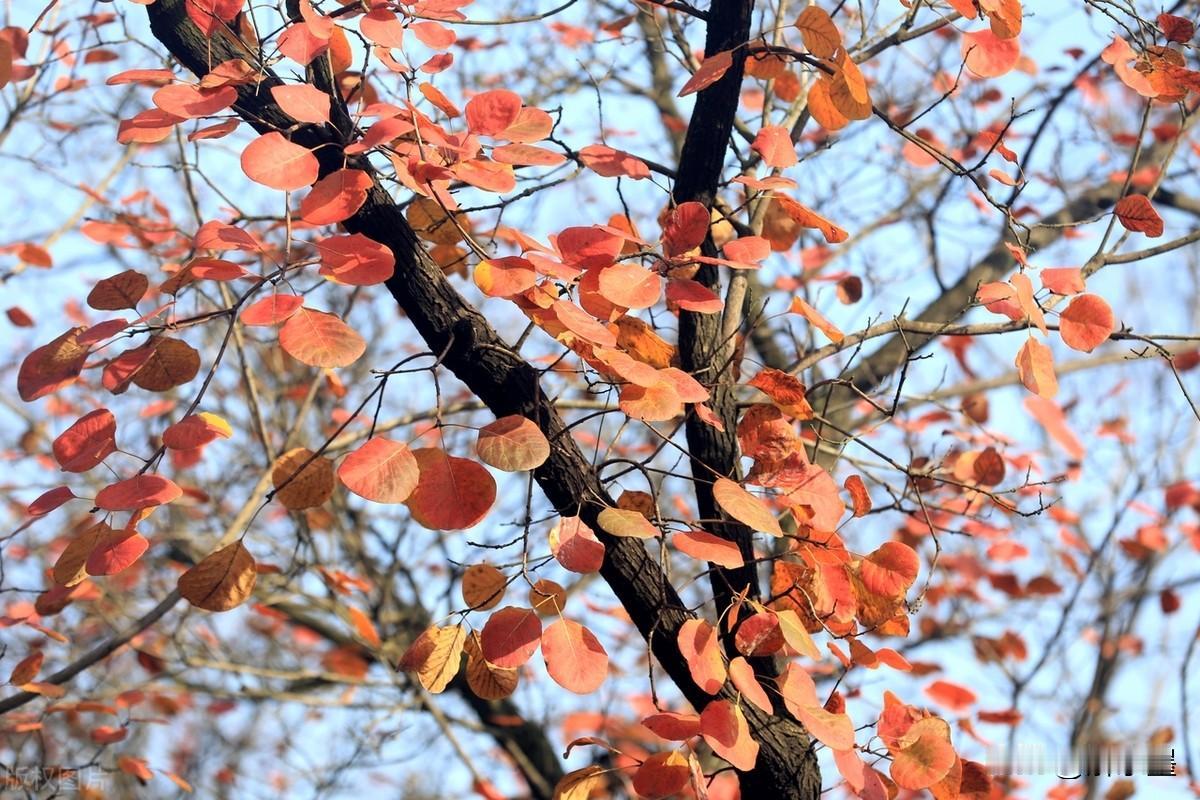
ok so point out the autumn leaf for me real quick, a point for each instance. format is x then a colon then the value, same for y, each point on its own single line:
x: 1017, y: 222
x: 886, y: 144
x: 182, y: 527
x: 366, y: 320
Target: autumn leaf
x: 222, y: 580
x: 987, y: 55
x: 452, y: 493
x: 483, y: 587
x: 574, y: 657
x: 1035, y: 364
x: 511, y: 636
x: 1086, y: 322
x: 820, y: 35
x: 88, y: 441
x: 745, y: 507
x: 712, y: 69
x: 320, y: 339
x: 381, y: 470
x: 724, y: 728
x: 1137, y: 214
x: 279, y: 164
x: 302, y: 479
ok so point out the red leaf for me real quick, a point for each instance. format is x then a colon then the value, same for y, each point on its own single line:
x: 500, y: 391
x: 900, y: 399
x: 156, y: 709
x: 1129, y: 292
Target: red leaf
x: 1137, y: 214
x: 673, y: 726
x: 951, y: 695
x: 275, y: 162
x: 1063, y: 280
x: 774, y: 144
x: 510, y: 636
x: 272, y: 310
x: 692, y: 296
x: 302, y: 102
x: 685, y: 227
x: 630, y: 285
x: 140, y: 491
x: 489, y: 113
x: 1176, y: 29
x: 356, y: 260
x: 575, y: 546
x: 196, y: 430
x: 890, y: 569
x: 320, y: 339
x: 747, y: 252
x: 706, y: 547
x: 745, y: 507
x: 1035, y: 364
x: 381, y: 470
x: 989, y: 56
x: 513, y: 444
x: 504, y: 276
x: 49, y: 500
x: 336, y: 197
x: 51, y: 366
x: 575, y: 659
x: 119, y: 550
x: 724, y: 728
x: 87, y: 442
x: 859, y: 495
x: 711, y: 70
x: 699, y: 647
x: 1086, y: 323
x: 452, y: 493
x: 609, y: 163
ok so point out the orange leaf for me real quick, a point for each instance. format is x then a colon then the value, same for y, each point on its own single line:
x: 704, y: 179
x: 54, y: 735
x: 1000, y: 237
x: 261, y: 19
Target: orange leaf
x: 711, y: 70
x: 627, y: 523
x: 989, y: 56
x: 951, y: 695
x: 820, y: 34
x: 452, y: 493
x: 222, y: 580
x: 121, y: 291
x: 302, y: 102
x: 610, y: 163
x: 510, y: 636
x: 630, y: 286
x: 1086, y: 323
x: 196, y: 430
x: 807, y: 218
x: 298, y: 488
x: 575, y: 546
x: 673, y: 726
x: 706, y: 547
x: 381, y: 470
x: 51, y: 366
x: 320, y: 339
x: 774, y: 144
x: 817, y: 319
x: 724, y: 728
x: 505, y: 276
x: 88, y: 441
x: 742, y: 675
x: 785, y: 390
x: 859, y: 495
x: 699, y: 647
x: 745, y: 507
x: 489, y: 113
x: 275, y: 162
x: 890, y: 569
x: 574, y: 657
x: 27, y: 668
x: 336, y: 197
x: 483, y: 587
x: 140, y: 491
x: 924, y: 754
x: 513, y: 444
x: 1035, y: 364
x: 661, y: 775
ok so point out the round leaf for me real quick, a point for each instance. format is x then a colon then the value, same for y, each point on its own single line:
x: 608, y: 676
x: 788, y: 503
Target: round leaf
x: 221, y: 581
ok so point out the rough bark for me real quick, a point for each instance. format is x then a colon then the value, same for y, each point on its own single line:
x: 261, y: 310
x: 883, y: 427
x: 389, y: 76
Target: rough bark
x: 503, y: 380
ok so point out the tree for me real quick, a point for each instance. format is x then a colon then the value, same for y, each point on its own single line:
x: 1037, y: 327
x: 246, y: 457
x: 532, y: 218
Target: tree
x: 404, y: 371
